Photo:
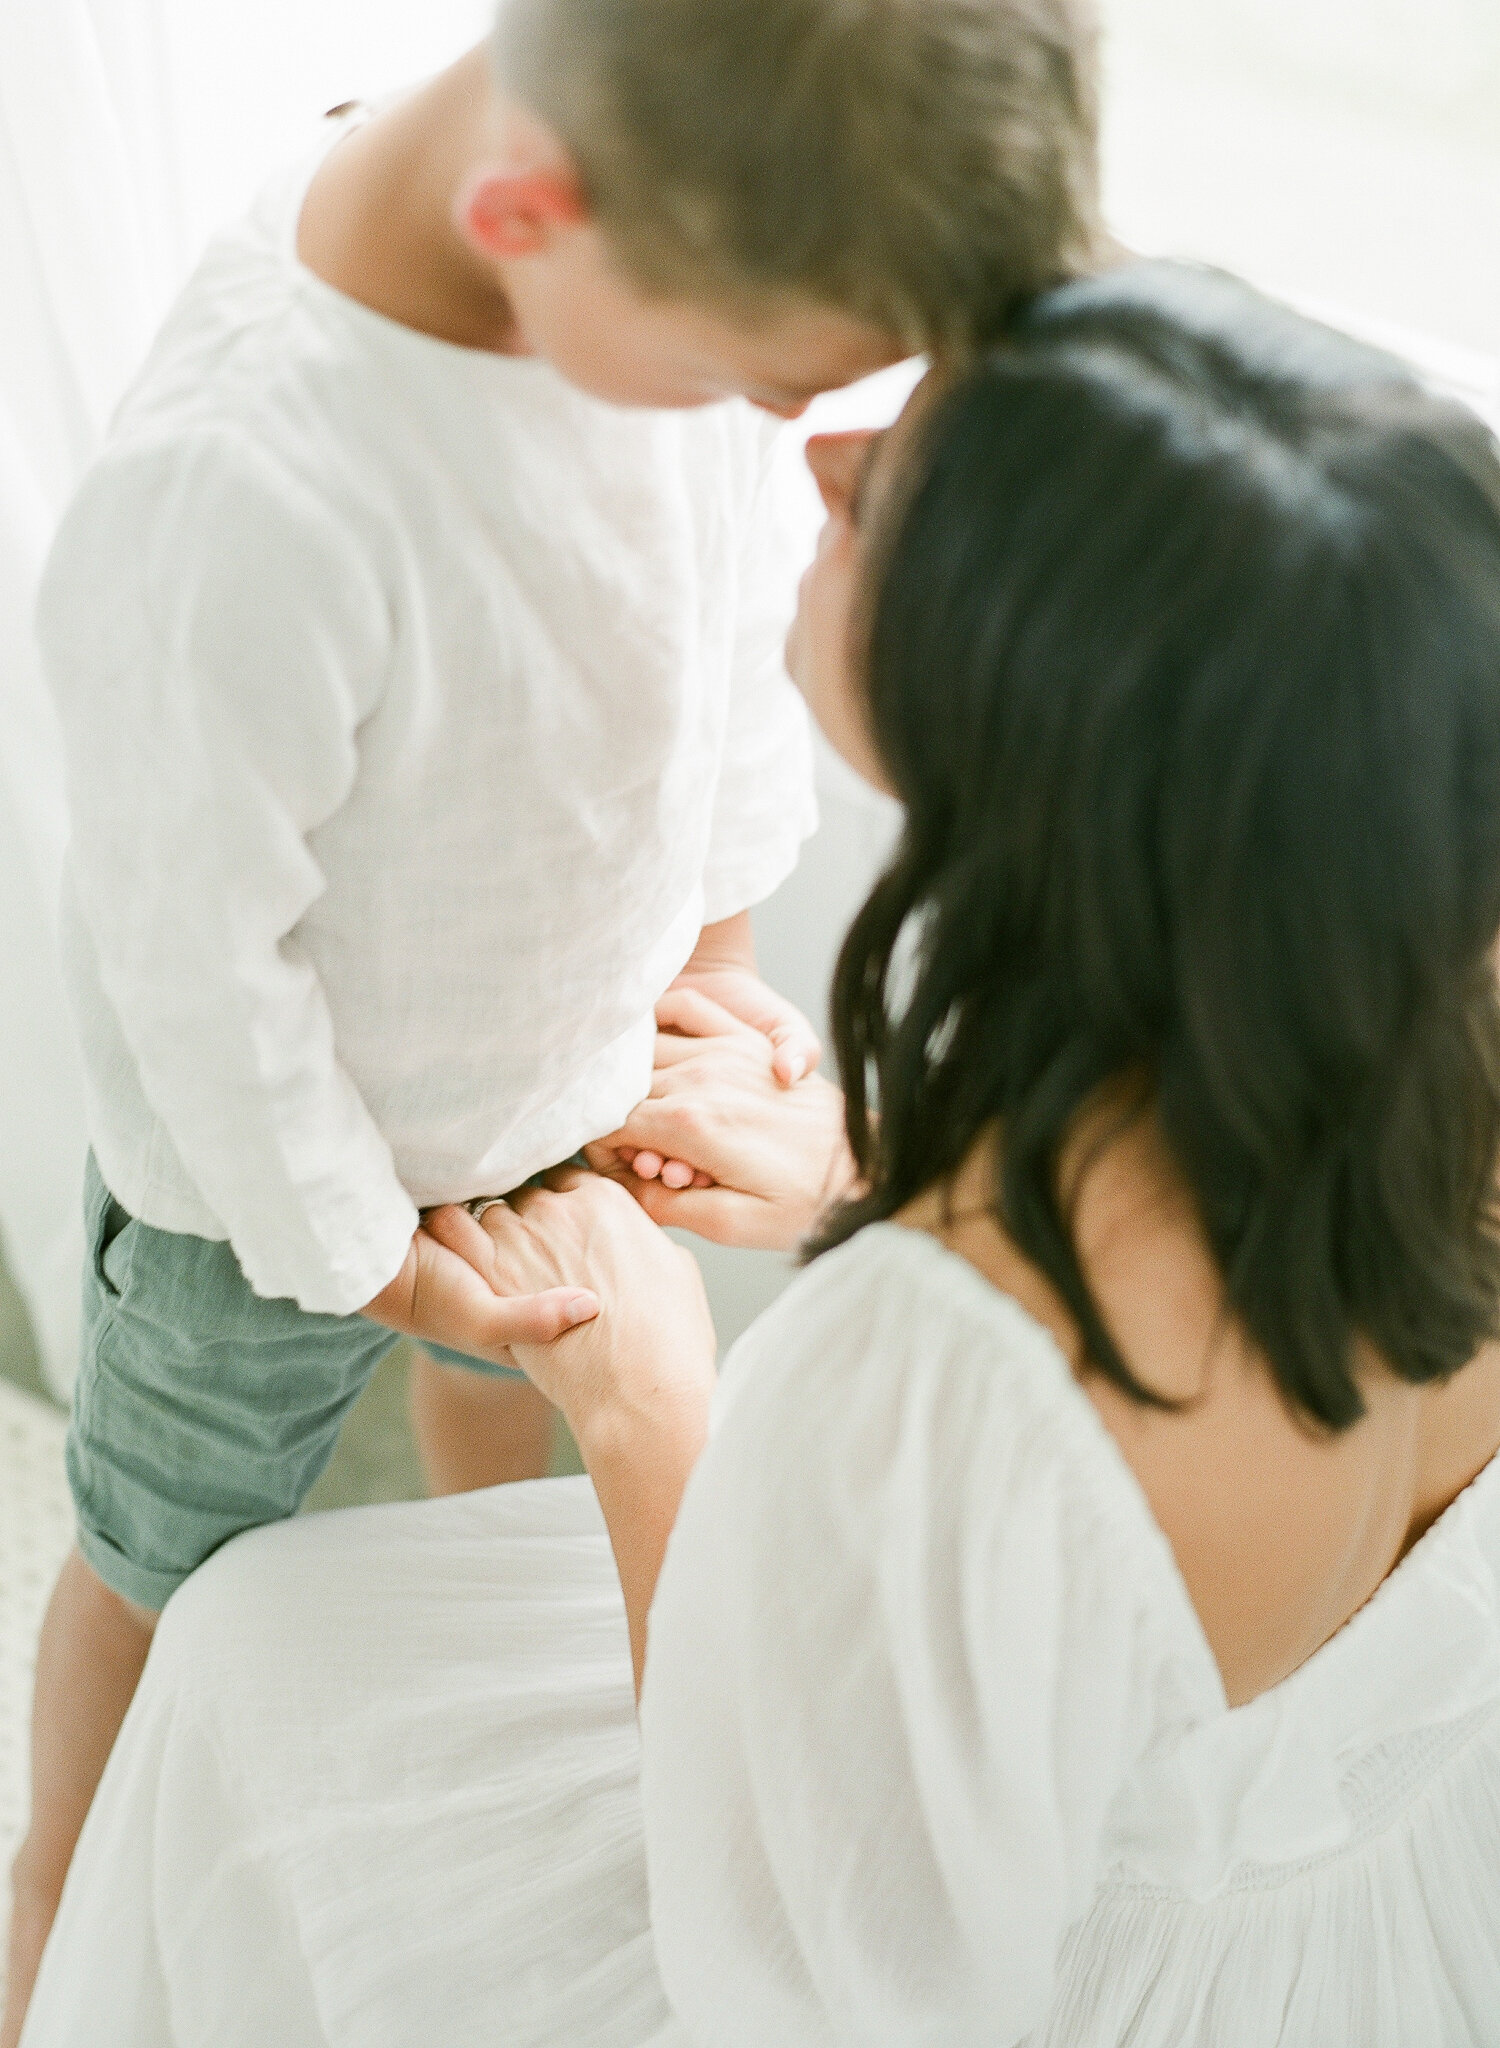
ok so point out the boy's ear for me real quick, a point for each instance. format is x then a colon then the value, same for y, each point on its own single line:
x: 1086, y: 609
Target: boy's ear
x: 517, y: 213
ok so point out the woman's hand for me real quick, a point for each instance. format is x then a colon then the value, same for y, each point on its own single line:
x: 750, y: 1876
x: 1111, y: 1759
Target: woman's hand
x: 777, y: 1154
x: 723, y: 969
x: 440, y: 1299
x: 652, y: 1344
x: 636, y: 1382
x: 793, y: 1043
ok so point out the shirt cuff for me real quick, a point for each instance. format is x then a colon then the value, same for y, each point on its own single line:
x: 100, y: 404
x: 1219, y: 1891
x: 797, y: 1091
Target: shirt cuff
x: 371, y: 1250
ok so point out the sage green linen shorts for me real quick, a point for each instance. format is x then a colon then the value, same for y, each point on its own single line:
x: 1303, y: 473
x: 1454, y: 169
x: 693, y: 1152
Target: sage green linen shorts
x: 201, y: 1409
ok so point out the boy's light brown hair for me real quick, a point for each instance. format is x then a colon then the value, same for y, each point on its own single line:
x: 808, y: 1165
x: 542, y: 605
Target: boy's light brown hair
x: 921, y: 164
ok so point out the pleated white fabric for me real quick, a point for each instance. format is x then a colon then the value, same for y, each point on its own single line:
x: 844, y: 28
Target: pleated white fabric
x: 934, y: 1752
x: 380, y: 1786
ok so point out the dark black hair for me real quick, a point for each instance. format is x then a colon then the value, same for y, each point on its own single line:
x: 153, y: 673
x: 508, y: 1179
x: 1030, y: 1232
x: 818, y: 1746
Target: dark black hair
x: 1185, y: 663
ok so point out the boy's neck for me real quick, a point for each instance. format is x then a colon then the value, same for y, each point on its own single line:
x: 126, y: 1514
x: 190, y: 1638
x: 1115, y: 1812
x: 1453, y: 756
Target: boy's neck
x: 377, y: 223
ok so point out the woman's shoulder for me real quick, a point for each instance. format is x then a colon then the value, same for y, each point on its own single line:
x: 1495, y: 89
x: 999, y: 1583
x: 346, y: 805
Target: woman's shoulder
x: 896, y: 1382
x: 894, y: 1307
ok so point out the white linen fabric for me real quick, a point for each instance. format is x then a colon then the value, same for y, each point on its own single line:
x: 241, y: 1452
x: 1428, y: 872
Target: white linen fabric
x: 933, y: 1752
x: 419, y: 711
x: 126, y: 134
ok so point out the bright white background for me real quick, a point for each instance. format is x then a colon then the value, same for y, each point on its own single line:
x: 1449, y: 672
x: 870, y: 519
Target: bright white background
x: 1346, y: 152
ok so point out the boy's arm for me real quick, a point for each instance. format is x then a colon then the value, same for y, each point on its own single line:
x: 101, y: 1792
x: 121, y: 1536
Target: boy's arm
x: 214, y: 639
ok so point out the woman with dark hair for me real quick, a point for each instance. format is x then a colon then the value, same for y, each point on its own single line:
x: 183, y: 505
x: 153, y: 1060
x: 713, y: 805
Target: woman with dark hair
x: 1083, y: 1625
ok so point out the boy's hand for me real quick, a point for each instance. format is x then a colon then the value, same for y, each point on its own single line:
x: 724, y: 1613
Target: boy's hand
x: 795, y: 1050
x: 439, y: 1298
x: 723, y: 969
x: 761, y: 1161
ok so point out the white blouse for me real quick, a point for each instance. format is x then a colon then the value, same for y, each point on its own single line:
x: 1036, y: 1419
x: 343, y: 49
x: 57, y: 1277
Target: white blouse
x: 934, y: 1752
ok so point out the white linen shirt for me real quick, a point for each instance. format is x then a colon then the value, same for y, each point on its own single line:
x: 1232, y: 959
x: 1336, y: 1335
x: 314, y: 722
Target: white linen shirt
x: 418, y: 711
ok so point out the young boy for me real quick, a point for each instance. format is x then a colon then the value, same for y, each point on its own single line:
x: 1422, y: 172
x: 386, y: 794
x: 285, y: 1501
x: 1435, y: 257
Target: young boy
x: 417, y: 645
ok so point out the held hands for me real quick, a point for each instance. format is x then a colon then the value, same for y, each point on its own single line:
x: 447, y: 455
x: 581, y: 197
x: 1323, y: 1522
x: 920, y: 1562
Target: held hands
x: 723, y: 969
x: 647, y: 1358
x: 439, y: 1298
x: 734, y: 1101
x: 739, y: 991
x: 761, y: 1161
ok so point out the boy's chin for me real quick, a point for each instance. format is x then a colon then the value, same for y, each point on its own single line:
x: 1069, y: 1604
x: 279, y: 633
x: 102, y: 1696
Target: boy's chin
x: 627, y: 393
x: 642, y: 386
x: 641, y: 394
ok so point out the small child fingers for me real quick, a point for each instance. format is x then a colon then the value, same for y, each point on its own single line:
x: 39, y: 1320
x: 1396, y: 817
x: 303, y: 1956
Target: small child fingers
x: 459, y: 1231
x: 797, y: 1051
x: 688, y: 1013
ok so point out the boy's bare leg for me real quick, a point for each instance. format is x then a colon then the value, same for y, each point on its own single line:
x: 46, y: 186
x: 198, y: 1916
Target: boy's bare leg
x: 89, y: 1662
x: 474, y: 1431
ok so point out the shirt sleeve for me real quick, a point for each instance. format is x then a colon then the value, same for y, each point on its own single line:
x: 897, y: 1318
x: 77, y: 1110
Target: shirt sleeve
x: 213, y: 638
x: 764, y: 807
x: 894, y: 1681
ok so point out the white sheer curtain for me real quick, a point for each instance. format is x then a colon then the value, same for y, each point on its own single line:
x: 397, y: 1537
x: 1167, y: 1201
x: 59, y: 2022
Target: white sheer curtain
x: 92, y: 239
x: 128, y: 128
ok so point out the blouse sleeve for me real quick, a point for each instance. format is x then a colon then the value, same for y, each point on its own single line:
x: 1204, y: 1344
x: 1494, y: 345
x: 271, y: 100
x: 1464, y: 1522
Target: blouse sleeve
x: 896, y: 1674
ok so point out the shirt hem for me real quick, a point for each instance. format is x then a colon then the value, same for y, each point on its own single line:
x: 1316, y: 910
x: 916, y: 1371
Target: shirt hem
x: 740, y: 888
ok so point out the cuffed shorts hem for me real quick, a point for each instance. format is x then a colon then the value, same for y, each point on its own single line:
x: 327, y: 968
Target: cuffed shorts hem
x: 201, y: 1410
x: 137, y: 1583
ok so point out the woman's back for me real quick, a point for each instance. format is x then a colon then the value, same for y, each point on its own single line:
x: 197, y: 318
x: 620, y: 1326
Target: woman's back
x: 1281, y: 1530
x: 922, y: 1654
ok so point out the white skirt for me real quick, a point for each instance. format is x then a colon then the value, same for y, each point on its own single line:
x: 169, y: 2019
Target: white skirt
x: 378, y: 1790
